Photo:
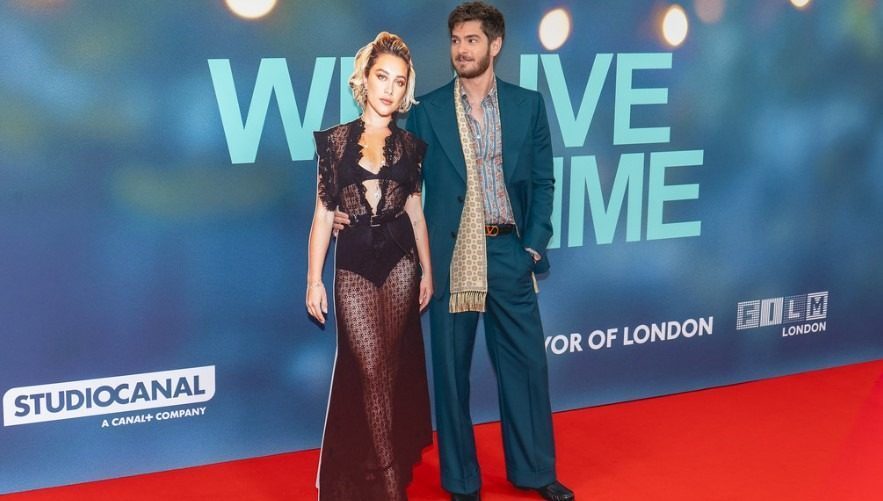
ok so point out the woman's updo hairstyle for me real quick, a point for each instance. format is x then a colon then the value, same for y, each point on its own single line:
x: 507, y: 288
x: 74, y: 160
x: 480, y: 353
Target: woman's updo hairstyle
x: 384, y: 43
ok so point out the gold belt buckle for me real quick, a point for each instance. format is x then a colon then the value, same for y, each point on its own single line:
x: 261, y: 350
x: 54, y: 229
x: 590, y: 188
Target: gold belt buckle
x: 491, y: 230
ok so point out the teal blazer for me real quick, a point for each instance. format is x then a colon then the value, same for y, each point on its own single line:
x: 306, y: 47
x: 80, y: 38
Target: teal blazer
x: 527, y: 169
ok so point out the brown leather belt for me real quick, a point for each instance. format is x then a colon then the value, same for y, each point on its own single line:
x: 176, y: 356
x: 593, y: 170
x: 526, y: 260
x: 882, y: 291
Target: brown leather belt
x: 493, y: 230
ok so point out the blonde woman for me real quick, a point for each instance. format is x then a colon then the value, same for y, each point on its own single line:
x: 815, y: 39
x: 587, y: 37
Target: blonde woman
x: 378, y: 414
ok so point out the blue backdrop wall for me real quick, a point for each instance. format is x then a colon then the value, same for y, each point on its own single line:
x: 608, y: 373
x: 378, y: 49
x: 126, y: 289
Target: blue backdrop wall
x: 718, y: 210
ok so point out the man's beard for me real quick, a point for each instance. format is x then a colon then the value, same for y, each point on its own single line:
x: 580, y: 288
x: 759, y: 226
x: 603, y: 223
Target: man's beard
x: 482, y: 66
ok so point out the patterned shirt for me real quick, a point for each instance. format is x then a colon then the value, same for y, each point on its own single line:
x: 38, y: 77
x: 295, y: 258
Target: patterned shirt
x: 488, y: 144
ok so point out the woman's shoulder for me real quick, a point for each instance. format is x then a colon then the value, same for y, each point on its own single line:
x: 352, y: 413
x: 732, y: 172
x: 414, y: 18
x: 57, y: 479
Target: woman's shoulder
x: 336, y: 132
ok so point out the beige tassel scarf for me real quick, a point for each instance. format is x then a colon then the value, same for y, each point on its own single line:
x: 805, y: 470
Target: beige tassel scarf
x: 469, y: 262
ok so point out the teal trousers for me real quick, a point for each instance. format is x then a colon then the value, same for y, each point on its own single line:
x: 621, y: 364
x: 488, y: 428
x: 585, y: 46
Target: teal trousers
x: 515, y: 341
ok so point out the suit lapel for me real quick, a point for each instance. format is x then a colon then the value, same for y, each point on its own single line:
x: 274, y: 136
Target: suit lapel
x: 443, y: 118
x: 512, y: 127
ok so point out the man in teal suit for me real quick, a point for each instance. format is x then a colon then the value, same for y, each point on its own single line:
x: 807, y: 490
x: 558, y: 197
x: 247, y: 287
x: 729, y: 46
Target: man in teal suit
x: 503, y: 130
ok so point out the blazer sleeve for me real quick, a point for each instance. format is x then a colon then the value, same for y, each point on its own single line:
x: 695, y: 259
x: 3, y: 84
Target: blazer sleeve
x: 542, y: 184
x: 412, y: 123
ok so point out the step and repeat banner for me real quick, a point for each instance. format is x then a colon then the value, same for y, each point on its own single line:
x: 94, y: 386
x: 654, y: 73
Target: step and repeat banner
x: 717, y: 217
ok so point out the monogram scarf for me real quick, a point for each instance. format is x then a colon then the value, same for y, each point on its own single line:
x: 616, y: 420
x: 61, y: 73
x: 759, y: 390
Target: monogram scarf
x: 469, y: 262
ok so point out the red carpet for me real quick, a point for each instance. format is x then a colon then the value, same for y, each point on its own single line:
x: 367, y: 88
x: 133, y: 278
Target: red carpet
x: 813, y: 436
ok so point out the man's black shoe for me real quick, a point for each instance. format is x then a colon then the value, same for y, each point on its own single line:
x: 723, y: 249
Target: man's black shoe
x: 475, y: 496
x: 556, y: 491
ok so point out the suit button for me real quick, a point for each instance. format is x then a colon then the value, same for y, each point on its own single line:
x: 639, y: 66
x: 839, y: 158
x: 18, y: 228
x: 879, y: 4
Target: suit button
x: 460, y: 199
x: 454, y: 234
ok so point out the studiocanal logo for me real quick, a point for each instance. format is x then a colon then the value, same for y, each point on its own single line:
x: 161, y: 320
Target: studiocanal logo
x: 92, y: 397
x: 802, y: 314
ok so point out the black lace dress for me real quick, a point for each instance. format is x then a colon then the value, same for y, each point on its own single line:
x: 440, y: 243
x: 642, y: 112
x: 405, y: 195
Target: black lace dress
x: 378, y: 415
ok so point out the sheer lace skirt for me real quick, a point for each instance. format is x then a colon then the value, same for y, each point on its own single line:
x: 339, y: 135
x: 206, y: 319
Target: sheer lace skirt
x: 378, y: 416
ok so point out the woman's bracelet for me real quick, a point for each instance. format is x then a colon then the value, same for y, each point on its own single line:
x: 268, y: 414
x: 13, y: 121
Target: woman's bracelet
x: 315, y: 284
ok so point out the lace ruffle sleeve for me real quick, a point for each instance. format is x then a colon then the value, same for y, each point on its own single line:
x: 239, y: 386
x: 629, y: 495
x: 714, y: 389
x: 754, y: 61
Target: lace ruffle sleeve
x: 326, y: 176
x: 419, y: 149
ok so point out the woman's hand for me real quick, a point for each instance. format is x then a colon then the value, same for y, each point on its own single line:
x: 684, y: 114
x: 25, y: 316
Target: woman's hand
x: 317, y: 301
x: 426, y: 291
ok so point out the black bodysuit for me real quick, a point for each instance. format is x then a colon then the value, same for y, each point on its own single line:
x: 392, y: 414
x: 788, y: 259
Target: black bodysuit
x: 378, y: 415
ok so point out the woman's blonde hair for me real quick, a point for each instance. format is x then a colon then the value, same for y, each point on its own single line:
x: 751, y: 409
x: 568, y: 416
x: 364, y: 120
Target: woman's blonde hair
x: 384, y: 43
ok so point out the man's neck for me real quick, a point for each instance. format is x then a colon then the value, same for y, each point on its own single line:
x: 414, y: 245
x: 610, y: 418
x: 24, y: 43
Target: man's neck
x: 479, y: 87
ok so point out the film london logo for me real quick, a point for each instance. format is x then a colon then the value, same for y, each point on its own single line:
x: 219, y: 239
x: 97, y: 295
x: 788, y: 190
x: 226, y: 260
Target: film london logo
x: 803, y: 314
x: 92, y: 397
